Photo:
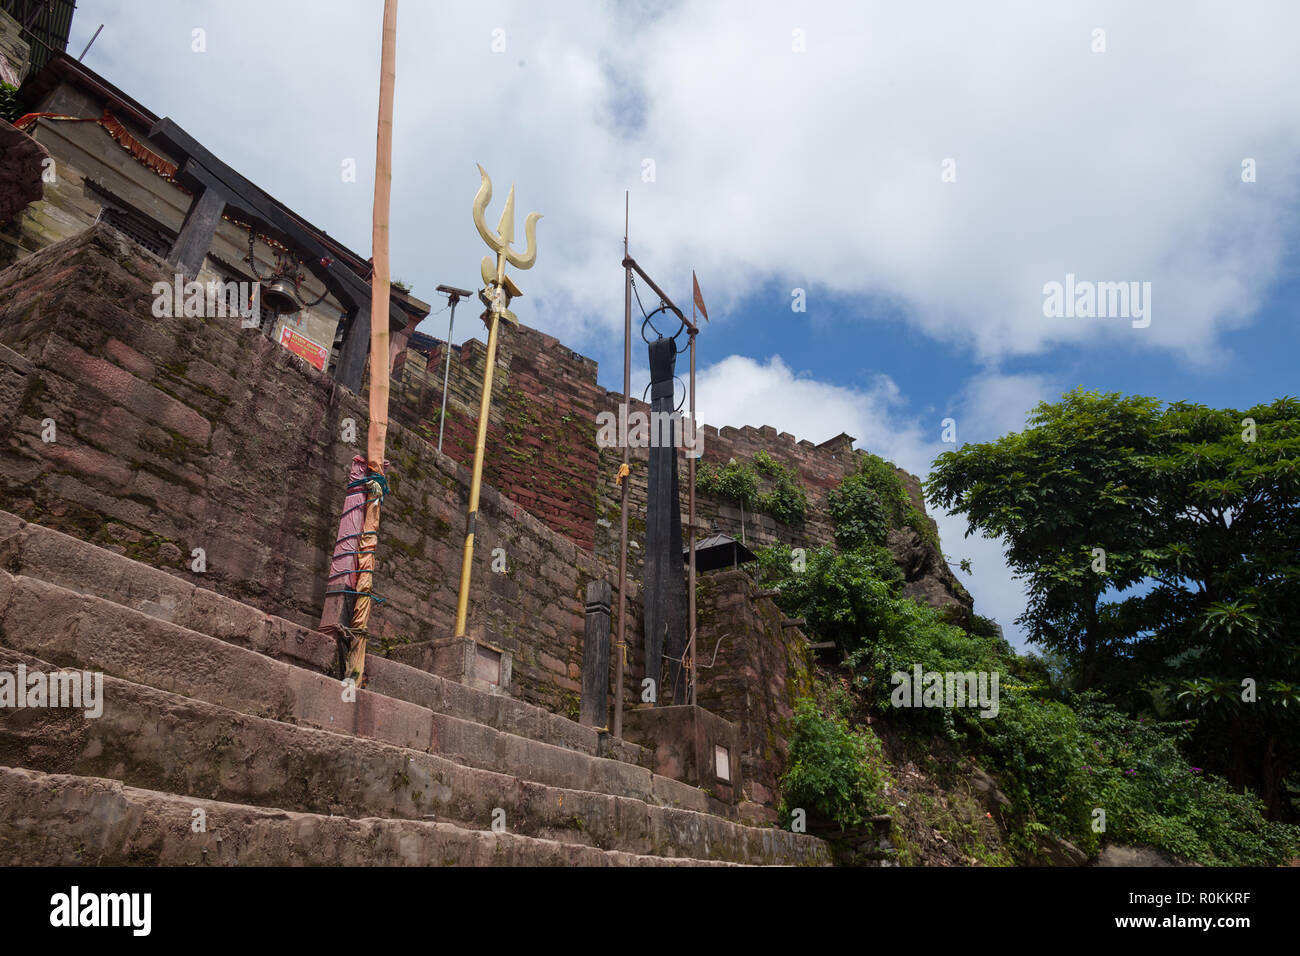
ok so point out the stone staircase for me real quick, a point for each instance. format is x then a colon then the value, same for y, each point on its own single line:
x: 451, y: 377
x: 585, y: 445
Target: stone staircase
x: 213, y: 706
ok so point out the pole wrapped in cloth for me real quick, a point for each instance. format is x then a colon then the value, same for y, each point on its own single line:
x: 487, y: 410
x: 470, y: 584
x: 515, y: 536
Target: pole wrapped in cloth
x: 336, y: 618
x: 375, y: 486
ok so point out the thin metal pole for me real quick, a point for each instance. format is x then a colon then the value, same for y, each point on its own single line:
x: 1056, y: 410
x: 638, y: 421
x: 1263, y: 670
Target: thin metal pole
x: 627, y: 479
x: 690, y: 470
x: 446, y: 375
x: 629, y: 261
x: 92, y: 40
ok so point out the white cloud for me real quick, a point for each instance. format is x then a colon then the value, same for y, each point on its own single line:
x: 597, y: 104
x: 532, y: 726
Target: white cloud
x: 992, y: 404
x: 740, y: 391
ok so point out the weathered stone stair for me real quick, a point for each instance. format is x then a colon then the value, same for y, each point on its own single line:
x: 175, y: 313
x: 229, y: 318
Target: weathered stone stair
x: 213, y: 705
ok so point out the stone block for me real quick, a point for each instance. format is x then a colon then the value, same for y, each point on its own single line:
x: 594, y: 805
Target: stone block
x: 691, y: 745
x: 473, y: 661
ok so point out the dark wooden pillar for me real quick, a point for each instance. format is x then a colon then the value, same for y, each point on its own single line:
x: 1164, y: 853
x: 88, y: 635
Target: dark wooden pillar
x: 664, y: 586
x: 355, y: 350
x: 196, y: 234
x: 595, y: 657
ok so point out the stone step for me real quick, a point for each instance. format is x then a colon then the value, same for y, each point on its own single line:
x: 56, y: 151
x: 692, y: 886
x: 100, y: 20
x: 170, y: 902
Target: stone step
x: 61, y: 820
x: 159, y: 740
x: 87, y: 632
x: 38, y: 552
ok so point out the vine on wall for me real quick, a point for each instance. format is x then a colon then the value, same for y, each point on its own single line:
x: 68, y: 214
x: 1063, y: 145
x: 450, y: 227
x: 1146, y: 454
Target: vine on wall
x: 739, y: 481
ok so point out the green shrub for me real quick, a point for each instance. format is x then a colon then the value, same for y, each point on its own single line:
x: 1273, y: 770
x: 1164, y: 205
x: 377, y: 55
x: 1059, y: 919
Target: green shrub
x: 765, y: 464
x: 10, y: 108
x: 909, y: 633
x: 832, y: 771
x: 1061, y: 763
x: 842, y: 595
x: 880, y: 476
x: 738, y: 481
x: 1154, y: 797
x: 855, y: 599
x: 857, y: 513
x: 733, y: 480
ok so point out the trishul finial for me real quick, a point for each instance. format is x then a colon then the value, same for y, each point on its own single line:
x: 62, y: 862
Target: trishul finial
x: 498, y: 287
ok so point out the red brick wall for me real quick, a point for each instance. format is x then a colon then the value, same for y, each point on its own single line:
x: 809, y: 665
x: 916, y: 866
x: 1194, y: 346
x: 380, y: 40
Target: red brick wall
x: 541, y: 427
x: 541, y: 433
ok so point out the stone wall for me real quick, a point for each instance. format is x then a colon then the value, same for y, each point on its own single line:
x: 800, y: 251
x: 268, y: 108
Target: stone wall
x: 172, y: 434
x: 541, y: 427
x: 752, y: 668
x: 154, y: 437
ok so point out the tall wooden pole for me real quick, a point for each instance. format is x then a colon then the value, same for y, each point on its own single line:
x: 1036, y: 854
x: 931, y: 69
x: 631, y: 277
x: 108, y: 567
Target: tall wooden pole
x: 380, y: 291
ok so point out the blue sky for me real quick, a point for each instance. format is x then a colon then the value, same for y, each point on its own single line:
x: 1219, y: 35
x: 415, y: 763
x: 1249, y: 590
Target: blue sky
x: 1251, y: 365
x: 921, y: 171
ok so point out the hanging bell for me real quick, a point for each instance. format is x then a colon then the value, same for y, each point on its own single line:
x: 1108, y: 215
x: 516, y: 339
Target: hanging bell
x: 280, y: 296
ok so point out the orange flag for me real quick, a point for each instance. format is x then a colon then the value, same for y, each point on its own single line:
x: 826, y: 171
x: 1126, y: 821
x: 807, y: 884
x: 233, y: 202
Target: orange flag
x: 699, y: 299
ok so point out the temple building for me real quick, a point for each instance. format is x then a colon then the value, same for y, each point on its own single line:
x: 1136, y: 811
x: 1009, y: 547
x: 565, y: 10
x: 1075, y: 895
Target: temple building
x: 112, y: 160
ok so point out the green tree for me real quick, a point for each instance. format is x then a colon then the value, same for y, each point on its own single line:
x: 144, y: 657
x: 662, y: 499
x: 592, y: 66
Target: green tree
x: 1161, y: 547
x: 1066, y: 497
x: 1226, y: 567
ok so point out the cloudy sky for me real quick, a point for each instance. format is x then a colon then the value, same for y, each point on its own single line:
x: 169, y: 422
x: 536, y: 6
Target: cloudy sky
x: 912, y: 174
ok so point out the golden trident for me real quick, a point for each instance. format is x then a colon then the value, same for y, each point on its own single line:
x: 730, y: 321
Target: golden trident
x: 498, y: 290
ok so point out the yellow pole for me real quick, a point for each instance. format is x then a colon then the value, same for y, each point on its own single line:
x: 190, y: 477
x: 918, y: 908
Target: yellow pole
x: 496, y: 293
x: 480, y: 447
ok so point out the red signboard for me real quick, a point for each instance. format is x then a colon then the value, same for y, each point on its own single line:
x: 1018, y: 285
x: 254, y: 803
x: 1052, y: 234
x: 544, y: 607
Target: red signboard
x: 304, y: 348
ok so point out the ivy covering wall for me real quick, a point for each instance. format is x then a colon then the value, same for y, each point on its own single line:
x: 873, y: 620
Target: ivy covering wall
x: 740, y: 481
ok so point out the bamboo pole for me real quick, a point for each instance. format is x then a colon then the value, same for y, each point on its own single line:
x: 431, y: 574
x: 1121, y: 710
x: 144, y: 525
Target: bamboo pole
x: 380, y: 291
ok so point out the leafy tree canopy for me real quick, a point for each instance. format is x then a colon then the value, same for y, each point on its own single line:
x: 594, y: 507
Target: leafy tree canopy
x: 1161, y: 548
